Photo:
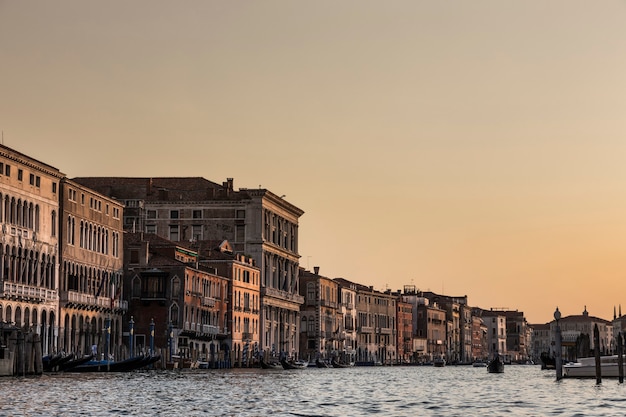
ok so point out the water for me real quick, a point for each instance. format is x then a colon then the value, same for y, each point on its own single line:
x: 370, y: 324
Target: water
x: 360, y: 391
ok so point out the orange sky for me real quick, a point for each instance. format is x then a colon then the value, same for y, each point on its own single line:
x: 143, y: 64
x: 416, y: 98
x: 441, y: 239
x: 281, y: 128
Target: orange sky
x: 470, y: 148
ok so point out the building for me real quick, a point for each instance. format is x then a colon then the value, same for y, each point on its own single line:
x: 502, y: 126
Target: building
x: 256, y: 222
x: 376, y: 324
x: 517, y: 342
x: 480, y: 345
x: 244, y: 295
x: 404, y: 322
x: 90, y: 283
x: 175, y: 302
x: 29, y: 250
x: 348, y: 312
x: 495, y: 320
x: 322, y: 330
x: 577, y: 335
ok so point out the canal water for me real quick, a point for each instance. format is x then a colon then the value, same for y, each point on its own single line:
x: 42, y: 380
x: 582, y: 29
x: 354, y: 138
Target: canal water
x: 522, y: 390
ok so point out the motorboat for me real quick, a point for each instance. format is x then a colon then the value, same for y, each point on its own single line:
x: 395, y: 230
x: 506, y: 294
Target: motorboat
x: 586, y: 367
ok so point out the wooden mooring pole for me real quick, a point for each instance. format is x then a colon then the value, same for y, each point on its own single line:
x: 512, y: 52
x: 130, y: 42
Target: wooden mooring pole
x: 596, y: 349
x: 558, y: 363
x: 620, y: 357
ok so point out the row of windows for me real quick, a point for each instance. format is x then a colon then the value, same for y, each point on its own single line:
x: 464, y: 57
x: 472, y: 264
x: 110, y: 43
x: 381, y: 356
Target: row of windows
x: 34, y: 180
x: 22, y: 213
x: 94, y: 203
x: 92, y: 237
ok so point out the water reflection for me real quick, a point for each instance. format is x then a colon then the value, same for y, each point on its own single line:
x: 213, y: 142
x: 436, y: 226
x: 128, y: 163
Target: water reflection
x: 385, y: 391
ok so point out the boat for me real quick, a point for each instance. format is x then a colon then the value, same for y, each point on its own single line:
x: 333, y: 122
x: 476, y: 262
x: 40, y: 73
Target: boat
x: 297, y: 364
x: 126, y: 365
x: 270, y: 364
x: 67, y: 365
x: 336, y: 364
x: 439, y: 362
x: 479, y: 364
x: 547, y: 361
x: 496, y: 365
x: 321, y: 364
x: 586, y: 367
x: 52, y: 362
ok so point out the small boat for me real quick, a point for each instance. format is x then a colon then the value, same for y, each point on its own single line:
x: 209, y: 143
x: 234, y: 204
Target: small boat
x: 547, y: 361
x: 479, y: 364
x: 439, y: 362
x: 496, y: 365
x: 321, y: 364
x: 336, y: 364
x: 65, y: 366
x: 586, y: 367
x: 126, y: 365
x: 270, y: 364
x: 52, y: 362
x: 298, y: 364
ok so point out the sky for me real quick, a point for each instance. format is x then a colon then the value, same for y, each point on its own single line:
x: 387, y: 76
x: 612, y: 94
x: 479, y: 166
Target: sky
x: 464, y: 147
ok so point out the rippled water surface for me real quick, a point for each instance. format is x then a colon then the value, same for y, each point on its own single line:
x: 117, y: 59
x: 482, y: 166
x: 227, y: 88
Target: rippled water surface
x: 359, y: 391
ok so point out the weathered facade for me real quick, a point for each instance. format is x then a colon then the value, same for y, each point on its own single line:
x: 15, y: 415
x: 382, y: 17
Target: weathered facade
x: 255, y: 221
x: 29, y: 245
x: 90, y: 298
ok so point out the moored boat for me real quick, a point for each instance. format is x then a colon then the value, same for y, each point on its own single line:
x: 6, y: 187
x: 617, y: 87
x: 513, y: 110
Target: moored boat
x: 336, y: 364
x: 439, y: 362
x: 297, y: 364
x: 270, y: 364
x: 321, y: 364
x: 586, y: 367
x: 126, y: 365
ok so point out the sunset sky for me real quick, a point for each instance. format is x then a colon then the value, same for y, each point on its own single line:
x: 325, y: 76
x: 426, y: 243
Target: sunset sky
x: 465, y: 147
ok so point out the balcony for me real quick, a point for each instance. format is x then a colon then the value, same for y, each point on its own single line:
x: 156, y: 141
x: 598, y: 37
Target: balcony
x: 28, y: 293
x: 366, y: 329
x: 386, y: 330
x: 284, y: 295
x: 208, y: 301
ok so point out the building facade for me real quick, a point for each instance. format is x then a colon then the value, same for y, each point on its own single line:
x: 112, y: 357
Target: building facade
x: 29, y: 250
x: 256, y: 222
x: 90, y: 299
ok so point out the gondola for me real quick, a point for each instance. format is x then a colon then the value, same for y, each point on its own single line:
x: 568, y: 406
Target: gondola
x: 126, y: 365
x: 270, y: 365
x: 496, y: 365
x: 321, y: 364
x: 337, y: 364
x: 294, y: 364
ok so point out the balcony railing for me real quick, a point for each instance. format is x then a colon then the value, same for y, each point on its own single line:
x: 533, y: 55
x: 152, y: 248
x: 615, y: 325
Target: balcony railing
x: 366, y: 329
x: 208, y: 301
x: 21, y: 291
x: 272, y: 292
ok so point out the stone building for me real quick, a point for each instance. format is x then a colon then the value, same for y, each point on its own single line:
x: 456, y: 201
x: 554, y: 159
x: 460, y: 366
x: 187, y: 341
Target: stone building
x: 495, y: 320
x: 376, y: 324
x: 321, y: 331
x: 256, y: 222
x: 244, y: 297
x: 404, y: 322
x: 29, y: 250
x: 185, y: 301
x: 91, y: 271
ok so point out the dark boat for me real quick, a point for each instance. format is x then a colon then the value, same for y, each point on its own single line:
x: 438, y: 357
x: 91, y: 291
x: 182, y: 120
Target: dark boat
x: 294, y: 364
x: 547, y: 361
x: 270, y: 365
x: 126, y: 365
x: 74, y: 362
x: 320, y: 364
x: 496, y: 365
x: 52, y: 362
x: 337, y: 364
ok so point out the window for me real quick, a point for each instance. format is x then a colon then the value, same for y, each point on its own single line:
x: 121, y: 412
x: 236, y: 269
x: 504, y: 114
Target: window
x: 174, y: 233
x: 7, y: 170
x: 31, y: 179
x: 151, y: 228
x: 241, y: 214
x: 196, y: 231
x: 1, y: 168
x: 174, y: 214
x: 151, y: 214
x: 197, y: 214
x: 37, y: 181
x: 20, y: 174
x: 54, y: 187
x: 82, y: 199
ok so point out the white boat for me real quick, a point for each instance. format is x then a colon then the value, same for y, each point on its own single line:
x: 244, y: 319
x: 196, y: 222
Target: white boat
x: 586, y: 367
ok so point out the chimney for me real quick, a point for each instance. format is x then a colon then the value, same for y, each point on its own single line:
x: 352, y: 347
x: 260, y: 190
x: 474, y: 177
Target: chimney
x: 316, y: 270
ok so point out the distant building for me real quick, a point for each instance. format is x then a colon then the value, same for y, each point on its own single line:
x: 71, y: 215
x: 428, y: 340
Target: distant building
x: 404, y: 322
x: 577, y: 334
x: 495, y: 321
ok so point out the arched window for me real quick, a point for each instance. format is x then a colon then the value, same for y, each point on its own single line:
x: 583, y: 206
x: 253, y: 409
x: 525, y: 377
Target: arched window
x: 175, y: 287
x: 303, y: 324
x: 174, y: 315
